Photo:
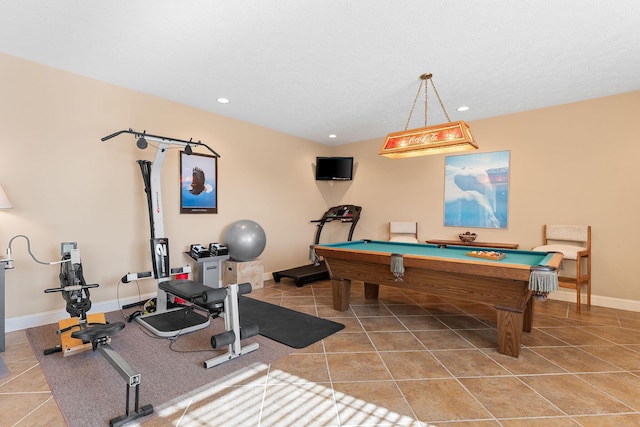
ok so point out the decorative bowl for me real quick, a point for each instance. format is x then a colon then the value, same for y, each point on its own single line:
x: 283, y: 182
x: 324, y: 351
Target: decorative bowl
x: 467, y: 237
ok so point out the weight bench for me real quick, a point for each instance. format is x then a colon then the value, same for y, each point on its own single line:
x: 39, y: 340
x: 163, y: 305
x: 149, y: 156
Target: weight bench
x: 218, y: 302
x: 98, y: 336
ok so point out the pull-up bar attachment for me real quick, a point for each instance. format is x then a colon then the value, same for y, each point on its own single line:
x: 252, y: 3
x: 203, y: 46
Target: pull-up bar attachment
x: 142, y: 137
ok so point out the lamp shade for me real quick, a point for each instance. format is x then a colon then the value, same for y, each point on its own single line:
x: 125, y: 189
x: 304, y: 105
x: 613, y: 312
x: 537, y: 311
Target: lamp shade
x: 4, y: 200
x: 444, y: 138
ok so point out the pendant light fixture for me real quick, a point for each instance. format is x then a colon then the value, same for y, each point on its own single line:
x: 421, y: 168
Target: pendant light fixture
x: 443, y: 138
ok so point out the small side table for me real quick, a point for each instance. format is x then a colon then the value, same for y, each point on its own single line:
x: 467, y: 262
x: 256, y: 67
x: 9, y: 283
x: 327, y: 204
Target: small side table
x: 242, y: 272
x: 474, y: 244
x: 209, y: 271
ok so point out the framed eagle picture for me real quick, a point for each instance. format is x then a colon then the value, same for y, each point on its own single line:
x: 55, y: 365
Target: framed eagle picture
x: 198, y: 183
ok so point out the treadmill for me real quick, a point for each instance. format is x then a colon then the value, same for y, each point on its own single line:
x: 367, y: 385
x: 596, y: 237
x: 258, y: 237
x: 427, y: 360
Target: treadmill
x: 318, y: 270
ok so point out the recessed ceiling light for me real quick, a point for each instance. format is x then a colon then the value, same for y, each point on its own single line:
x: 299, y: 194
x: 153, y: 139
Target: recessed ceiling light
x: 462, y: 108
x: 223, y: 100
x: 333, y: 135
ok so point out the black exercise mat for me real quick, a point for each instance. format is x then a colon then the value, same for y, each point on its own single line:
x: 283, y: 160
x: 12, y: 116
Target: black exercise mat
x: 288, y: 327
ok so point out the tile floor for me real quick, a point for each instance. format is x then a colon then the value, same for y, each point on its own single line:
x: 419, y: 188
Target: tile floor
x: 406, y: 359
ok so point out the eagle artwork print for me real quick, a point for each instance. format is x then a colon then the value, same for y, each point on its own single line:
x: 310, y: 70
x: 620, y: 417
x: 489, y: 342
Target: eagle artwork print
x: 198, y: 183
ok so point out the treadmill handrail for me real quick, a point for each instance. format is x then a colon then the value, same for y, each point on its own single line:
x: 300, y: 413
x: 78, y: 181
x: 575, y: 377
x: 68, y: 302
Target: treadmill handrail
x: 328, y: 217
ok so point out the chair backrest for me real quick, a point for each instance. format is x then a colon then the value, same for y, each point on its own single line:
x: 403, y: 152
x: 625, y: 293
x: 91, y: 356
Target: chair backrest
x: 580, y: 234
x: 403, y: 231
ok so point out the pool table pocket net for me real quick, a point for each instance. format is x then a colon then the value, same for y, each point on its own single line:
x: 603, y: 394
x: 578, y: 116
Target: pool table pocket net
x: 542, y: 281
x: 397, y: 267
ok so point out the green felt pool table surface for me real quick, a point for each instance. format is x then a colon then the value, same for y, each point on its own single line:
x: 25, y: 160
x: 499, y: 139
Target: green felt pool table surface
x: 513, y: 256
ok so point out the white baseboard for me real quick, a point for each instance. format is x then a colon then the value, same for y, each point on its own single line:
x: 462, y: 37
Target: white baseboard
x: 597, y: 300
x: 47, y: 317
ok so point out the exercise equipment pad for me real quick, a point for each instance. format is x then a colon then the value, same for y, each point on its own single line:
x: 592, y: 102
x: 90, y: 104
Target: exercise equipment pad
x: 173, y: 322
x: 288, y: 327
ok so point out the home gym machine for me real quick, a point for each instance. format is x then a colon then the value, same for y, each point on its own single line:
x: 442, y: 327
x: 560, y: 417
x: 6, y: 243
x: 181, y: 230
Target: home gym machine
x: 171, y: 322
x: 318, y: 270
x: 163, y: 322
x: 84, y: 331
x: 75, y: 291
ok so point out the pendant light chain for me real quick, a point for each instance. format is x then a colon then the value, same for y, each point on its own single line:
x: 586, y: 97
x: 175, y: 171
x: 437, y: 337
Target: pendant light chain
x: 426, y: 98
x: 439, y: 100
x: 426, y: 104
x: 414, y: 105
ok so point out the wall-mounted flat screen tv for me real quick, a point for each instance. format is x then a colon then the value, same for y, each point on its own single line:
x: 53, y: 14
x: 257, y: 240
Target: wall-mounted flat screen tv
x: 334, y: 168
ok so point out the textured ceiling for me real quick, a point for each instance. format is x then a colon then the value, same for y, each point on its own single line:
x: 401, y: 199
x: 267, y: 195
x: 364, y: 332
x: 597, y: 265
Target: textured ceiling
x: 350, y: 68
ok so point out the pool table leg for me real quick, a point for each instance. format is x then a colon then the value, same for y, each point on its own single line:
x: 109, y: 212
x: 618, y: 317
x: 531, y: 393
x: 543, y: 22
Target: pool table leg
x: 341, y: 289
x: 510, y: 325
x: 371, y: 290
x: 527, y: 325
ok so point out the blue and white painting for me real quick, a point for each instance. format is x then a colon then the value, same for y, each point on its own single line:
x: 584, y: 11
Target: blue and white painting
x: 476, y: 190
x: 198, y: 177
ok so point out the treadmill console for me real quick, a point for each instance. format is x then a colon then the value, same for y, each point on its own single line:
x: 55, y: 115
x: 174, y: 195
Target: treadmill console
x: 344, y: 213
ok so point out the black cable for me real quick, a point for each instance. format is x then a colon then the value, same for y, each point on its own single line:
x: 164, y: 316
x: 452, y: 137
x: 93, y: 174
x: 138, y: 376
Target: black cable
x: 125, y: 315
x: 179, y: 334
x: 186, y: 351
x: 172, y: 340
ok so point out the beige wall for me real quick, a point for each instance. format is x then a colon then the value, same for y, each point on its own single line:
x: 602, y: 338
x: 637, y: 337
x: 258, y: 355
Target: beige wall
x: 570, y: 164
x: 66, y: 185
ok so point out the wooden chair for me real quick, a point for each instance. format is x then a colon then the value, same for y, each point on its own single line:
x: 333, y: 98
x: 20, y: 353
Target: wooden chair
x: 574, y: 242
x: 403, y: 232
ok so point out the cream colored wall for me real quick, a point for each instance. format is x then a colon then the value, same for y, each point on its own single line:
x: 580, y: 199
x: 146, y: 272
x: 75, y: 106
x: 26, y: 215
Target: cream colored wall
x: 66, y: 185
x: 571, y: 164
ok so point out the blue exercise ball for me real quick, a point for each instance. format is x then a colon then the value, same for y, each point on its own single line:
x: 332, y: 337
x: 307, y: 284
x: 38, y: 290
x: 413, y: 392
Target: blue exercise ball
x: 245, y: 240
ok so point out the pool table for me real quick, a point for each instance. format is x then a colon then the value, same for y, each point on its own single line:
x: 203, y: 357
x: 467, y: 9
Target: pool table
x: 444, y: 271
